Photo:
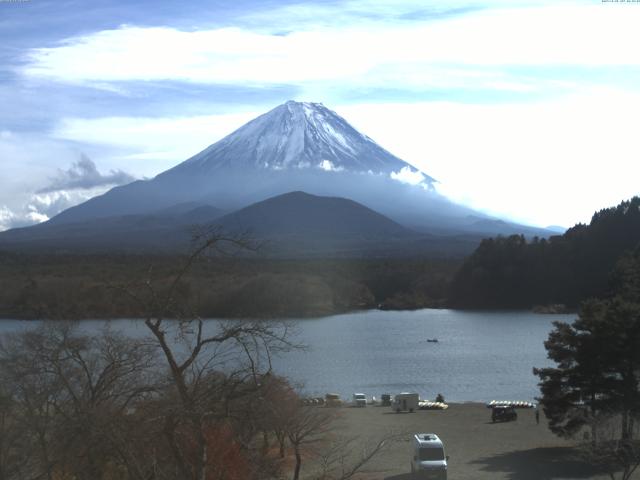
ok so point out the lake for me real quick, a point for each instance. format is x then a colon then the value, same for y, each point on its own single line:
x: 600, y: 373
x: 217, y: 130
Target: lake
x: 479, y: 356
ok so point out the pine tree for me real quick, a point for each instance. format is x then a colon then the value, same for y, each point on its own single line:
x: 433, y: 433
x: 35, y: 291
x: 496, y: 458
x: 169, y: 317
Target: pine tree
x: 596, y: 380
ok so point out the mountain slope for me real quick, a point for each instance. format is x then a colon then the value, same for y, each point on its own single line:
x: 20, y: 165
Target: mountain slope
x: 295, y: 147
x: 301, y: 214
x: 295, y: 220
x: 166, y: 230
x: 293, y: 225
x: 297, y: 224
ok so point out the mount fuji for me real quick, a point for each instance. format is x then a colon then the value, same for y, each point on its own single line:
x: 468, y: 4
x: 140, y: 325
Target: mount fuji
x: 295, y: 147
x: 295, y: 137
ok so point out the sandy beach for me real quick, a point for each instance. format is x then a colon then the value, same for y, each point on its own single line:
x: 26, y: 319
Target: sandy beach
x: 478, y: 448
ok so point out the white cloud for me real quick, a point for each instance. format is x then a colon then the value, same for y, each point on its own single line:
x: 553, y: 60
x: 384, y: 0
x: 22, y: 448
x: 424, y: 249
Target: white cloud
x: 328, y: 166
x: 552, y: 162
x: 40, y: 207
x: 363, y: 53
x: 408, y: 175
x: 6, y: 218
x: 84, y: 174
x: 47, y: 205
x: 349, y: 12
x: 27, y: 166
x: 25, y: 163
x: 35, y: 217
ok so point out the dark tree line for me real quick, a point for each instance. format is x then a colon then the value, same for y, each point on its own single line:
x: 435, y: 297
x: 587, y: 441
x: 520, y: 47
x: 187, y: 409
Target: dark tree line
x: 512, y: 272
x: 75, y: 286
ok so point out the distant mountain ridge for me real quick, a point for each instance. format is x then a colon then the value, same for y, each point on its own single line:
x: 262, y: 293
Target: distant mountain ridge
x: 164, y: 230
x: 292, y: 225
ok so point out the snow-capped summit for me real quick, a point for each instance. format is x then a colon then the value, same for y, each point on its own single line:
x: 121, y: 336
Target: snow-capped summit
x: 299, y: 135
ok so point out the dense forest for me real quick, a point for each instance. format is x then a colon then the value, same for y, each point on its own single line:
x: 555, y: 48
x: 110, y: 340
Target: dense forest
x: 512, y: 272
x: 90, y: 286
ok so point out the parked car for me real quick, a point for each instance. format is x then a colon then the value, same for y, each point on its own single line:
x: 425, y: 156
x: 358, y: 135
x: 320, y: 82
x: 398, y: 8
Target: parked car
x: 385, y: 399
x: 503, y: 413
x: 429, y: 460
x: 332, y: 400
x: 359, y: 400
x: 405, y: 402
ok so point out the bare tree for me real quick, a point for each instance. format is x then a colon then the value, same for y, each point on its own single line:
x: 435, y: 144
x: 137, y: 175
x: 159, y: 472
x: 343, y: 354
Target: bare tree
x: 279, y: 402
x: 344, y: 458
x: 12, y: 440
x: 307, y: 427
x: 194, y: 349
x: 73, y: 398
x: 311, y: 431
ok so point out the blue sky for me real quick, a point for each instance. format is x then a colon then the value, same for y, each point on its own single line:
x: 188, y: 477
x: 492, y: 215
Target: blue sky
x: 527, y: 110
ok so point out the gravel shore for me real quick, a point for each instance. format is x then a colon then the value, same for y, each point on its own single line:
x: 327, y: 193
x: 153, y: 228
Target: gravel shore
x: 478, y: 448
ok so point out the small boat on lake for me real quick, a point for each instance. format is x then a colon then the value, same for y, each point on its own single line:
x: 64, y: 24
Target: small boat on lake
x: 432, y: 340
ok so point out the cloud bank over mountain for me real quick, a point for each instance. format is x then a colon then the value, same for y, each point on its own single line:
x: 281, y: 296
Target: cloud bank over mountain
x: 84, y: 175
x: 70, y: 187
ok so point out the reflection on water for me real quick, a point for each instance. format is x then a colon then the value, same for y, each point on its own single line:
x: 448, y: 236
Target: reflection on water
x: 479, y: 356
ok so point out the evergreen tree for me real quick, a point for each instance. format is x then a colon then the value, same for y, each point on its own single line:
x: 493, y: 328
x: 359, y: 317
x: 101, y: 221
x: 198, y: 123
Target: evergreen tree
x: 597, y: 372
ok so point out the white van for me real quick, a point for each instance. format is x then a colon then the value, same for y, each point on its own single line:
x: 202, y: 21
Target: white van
x: 405, y: 402
x: 359, y: 400
x: 429, y: 460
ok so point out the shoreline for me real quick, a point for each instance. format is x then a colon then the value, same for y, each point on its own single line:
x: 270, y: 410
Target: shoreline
x: 297, y: 316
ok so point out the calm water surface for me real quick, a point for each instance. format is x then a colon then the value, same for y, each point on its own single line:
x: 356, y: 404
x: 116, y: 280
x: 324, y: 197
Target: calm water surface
x: 479, y: 356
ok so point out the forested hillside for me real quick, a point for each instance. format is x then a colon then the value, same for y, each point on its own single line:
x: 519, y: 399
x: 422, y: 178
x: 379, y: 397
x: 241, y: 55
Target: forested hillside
x: 84, y: 286
x: 511, y: 272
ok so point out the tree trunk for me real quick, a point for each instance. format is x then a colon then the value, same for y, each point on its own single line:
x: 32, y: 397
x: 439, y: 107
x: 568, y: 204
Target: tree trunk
x: 626, y: 473
x: 281, y: 439
x: 93, y: 470
x: 625, y: 425
x: 169, y: 433
x: 42, y: 441
x: 296, y: 472
x: 201, y: 466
